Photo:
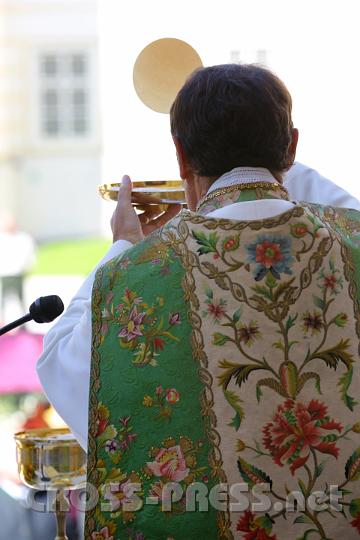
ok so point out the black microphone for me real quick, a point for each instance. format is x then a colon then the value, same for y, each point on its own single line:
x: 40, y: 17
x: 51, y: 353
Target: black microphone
x: 44, y: 309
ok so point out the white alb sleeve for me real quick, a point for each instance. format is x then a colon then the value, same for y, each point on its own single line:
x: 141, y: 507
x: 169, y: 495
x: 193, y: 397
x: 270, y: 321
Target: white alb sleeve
x: 306, y: 184
x: 64, y: 366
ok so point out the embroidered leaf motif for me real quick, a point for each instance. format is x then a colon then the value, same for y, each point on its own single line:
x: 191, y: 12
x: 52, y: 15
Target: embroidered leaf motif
x: 219, y: 339
x: 307, y: 533
x: 258, y: 393
x: 260, y: 289
x: 338, y: 353
x: 302, y: 487
x: 282, y: 288
x: 239, y: 372
x: 252, y: 475
x: 352, y: 467
x: 273, y: 384
x: 207, y: 243
x: 319, y: 302
x: 265, y: 522
x: 302, y: 519
x: 279, y: 345
x: 237, y: 315
x: 355, y: 507
x: 234, y: 401
x: 344, y: 383
x: 305, y: 377
x: 290, y: 322
x: 319, y: 469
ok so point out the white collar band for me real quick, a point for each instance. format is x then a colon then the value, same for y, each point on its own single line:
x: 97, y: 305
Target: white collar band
x: 242, y: 175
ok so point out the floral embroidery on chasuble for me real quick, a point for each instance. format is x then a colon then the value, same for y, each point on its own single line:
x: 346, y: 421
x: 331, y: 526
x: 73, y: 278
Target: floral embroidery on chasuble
x: 227, y: 352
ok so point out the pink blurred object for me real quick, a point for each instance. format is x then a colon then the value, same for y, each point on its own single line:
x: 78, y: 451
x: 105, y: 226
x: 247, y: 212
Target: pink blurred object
x: 18, y: 355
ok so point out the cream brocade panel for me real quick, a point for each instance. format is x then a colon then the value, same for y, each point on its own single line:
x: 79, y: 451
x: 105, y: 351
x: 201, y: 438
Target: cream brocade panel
x: 235, y: 275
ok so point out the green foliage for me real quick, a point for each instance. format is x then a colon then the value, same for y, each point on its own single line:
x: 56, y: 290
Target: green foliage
x: 319, y: 302
x: 235, y: 401
x: 219, y: 339
x: 252, y: 475
x: 336, y: 354
x: 207, y: 243
x: 352, y: 467
x: 239, y: 372
x: 344, y: 383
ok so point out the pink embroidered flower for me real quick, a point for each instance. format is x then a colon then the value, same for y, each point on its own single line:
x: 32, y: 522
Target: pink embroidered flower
x: 217, y: 309
x: 159, y: 390
x: 170, y: 463
x: 174, y: 318
x: 172, y: 396
x: 103, y: 534
x: 132, y: 330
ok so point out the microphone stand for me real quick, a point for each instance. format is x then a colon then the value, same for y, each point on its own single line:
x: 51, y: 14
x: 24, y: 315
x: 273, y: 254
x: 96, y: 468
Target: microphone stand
x: 15, y: 324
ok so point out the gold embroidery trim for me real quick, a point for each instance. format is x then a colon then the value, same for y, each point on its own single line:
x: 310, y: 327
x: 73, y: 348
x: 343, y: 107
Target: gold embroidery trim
x: 241, y: 187
x: 197, y: 342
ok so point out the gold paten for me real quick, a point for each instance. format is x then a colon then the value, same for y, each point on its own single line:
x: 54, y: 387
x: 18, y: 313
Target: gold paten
x: 158, y: 194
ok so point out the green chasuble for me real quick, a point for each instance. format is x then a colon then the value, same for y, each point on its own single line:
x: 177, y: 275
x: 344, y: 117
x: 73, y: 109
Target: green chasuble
x: 225, y: 381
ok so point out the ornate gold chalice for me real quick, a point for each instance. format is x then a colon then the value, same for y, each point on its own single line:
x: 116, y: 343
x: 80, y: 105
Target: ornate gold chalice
x: 159, y: 72
x: 51, y: 460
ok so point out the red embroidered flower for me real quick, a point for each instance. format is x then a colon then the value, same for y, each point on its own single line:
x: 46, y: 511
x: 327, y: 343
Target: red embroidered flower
x: 297, y: 429
x: 356, y: 523
x: 268, y: 253
x: 102, y: 419
x: 254, y: 531
x: 230, y: 243
x: 159, y: 344
x: 298, y: 230
x: 172, y: 396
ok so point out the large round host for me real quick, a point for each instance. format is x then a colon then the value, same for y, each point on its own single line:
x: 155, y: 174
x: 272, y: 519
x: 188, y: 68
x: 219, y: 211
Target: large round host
x: 160, y: 71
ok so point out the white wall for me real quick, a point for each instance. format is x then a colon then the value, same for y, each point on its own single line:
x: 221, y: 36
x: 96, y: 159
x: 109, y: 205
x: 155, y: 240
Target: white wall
x: 58, y: 198
x: 53, y: 181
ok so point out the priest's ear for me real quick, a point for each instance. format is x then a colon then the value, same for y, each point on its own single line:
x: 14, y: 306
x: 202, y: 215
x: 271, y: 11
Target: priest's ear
x: 185, y: 169
x: 292, y: 147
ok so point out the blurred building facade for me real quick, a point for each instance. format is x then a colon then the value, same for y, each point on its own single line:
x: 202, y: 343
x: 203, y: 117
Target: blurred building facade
x: 50, y: 137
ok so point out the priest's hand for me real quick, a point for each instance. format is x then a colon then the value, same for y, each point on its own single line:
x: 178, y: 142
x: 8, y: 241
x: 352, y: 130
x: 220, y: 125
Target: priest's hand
x: 127, y: 225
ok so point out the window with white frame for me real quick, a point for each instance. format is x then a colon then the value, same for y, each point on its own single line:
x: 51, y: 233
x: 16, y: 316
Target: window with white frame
x: 64, y: 95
